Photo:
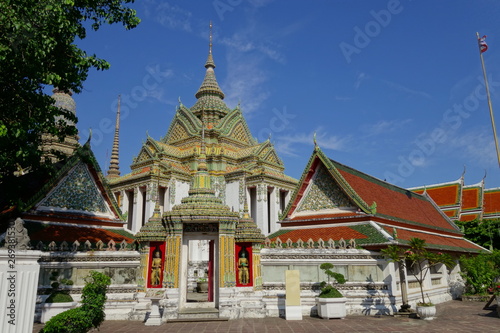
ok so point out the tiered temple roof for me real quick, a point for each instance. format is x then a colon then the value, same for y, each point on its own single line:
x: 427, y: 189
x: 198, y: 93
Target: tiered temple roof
x: 335, y: 203
x: 464, y: 202
x: 230, y: 147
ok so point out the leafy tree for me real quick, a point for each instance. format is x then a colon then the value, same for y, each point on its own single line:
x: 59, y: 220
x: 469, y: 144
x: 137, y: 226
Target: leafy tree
x: 38, y: 50
x: 417, y: 260
x: 482, y: 232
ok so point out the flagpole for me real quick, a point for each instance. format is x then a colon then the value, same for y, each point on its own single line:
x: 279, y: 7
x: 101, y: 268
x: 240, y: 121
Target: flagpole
x: 489, y: 99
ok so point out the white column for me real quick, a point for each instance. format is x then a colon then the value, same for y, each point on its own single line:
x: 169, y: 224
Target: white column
x: 19, y: 272
x: 261, y: 217
x: 274, y: 207
x: 137, y: 211
x: 150, y: 194
x: 124, y: 202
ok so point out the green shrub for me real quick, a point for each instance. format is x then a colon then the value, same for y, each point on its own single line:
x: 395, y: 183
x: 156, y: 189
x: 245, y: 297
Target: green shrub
x: 327, y: 290
x: 480, y: 272
x: 56, y: 294
x: 87, y: 316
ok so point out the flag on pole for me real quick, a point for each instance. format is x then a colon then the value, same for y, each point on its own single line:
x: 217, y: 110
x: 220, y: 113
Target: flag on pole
x: 482, y: 44
x: 482, y: 48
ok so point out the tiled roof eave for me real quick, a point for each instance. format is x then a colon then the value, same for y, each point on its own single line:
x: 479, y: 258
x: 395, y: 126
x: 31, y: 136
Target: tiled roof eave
x: 421, y: 226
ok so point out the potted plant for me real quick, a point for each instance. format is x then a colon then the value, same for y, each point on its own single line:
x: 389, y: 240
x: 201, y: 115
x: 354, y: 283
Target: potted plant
x: 420, y: 261
x: 59, y: 299
x: 330, y: 302
x: 202, y: 285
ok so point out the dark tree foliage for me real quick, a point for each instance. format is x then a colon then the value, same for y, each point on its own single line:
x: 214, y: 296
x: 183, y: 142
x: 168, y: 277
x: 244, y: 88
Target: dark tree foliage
x: 38, y: 50
x: 482, y: 232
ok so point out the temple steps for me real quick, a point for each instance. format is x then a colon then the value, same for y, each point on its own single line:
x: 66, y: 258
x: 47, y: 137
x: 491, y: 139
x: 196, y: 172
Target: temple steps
x: 198, y: 314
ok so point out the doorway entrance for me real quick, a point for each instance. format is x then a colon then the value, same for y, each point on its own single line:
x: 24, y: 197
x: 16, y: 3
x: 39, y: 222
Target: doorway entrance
x: 199, y: 277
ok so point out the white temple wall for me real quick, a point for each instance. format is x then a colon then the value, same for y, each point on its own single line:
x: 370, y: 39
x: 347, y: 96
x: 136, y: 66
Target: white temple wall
x: 372, y: 285
x: 122, y: 266
x: 181, y: 191
x: 233, y: 196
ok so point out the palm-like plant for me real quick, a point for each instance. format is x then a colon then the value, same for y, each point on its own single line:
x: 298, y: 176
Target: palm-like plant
x: 419, y: 259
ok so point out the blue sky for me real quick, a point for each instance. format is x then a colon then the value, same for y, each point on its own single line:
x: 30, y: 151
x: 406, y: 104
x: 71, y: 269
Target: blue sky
x: 391, y: 88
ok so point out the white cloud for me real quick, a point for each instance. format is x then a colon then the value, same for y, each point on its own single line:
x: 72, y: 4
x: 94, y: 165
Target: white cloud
x: 385, y: 126
x: 402, y: 88
x: 475, y: 145
x: 170, y: 16
x: 244, y: 83
x: 287, y: 144
x: 359, y: 79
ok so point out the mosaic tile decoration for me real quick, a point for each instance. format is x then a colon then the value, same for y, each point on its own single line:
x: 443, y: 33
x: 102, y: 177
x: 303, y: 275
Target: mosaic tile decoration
x: 323, y: 193
x: 77, y: 191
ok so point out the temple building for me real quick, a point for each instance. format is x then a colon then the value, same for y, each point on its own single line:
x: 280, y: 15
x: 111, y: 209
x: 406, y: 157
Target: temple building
x: 238, y: 165
x: 462, y: 202
x: 209, y: 206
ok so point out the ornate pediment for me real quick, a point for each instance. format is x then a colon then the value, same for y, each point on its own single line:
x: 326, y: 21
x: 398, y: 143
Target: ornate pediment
x: 178, y: 132
x: 323, y: 193
x: 77, y: 191
x: 268, y: 154
x: 234, y: 126
x: 184, y: 125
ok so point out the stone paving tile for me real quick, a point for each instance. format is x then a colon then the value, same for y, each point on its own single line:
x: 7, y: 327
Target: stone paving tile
x: 453, y: 316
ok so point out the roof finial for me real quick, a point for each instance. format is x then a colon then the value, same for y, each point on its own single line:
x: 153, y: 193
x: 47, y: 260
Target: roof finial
x: 210, y: 38
x: 210, y: 60
x: 315, y: 142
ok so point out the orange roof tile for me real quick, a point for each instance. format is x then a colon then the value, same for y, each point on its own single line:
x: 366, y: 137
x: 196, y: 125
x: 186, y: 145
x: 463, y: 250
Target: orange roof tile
x: 59, y: 233
x: 471, y: 198
x: 492, y: 201
x: 436, y: 241
x: 445, y: 195
x: 394, y: 202
x: 335, y: 233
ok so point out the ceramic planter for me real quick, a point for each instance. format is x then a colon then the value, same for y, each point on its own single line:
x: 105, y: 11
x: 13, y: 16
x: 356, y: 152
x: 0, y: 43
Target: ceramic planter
x: 202, y: 287
x: 426, y: 312
x: 49, y: 310
x: 329, y: 308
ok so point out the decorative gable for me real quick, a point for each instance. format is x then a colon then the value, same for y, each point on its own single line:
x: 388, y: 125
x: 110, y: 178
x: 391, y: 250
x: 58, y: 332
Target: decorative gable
x: 239, y: 133
x: 177, y: 133
x: 77, y: 191
x: 323, y: 193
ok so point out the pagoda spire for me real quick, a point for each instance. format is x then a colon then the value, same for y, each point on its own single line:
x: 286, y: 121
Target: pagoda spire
x: 209, y: 86
x: 210, y: 98
x: 114, y: 167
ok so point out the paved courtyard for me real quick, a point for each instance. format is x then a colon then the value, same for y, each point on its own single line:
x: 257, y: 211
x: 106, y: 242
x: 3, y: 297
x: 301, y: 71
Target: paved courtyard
x: 453, y: 316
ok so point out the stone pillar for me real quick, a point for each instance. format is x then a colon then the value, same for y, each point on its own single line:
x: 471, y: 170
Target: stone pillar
x: 261, y: 218
x: 151, y: 192
x: 136, y: 213
x: 19, y: 270
x: 257, y: 268
x: 124, y: 202
x: 227, y: 269
x: 172, y: 257
x: 274, y: 208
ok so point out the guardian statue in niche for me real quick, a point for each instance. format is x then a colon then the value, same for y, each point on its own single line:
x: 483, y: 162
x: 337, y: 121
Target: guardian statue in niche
x: 243, y: 263
x: 155, y: 276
